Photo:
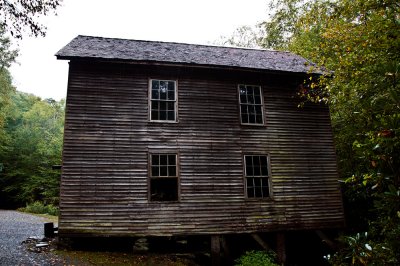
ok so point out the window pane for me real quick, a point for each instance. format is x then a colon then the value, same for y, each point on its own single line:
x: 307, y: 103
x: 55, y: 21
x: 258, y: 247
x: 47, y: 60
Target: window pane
x: 171, y: 170
x: 163, y: 90
x: 252, y: 119
x: 250, y: 99
x: 249, y: 90
x: 163, y: 159
x: 257, y: 182
x: 257, y: 170
x: 155, y: 95
x: 250, y: 192
x: 171, y: 115
x: 155, y: 171
x: 154, y: 105
x: 171, y: 91
x: 171, y: 160
x: 154, y: 115
x: 258, y: 192
x: 163, y: 115
x: 171, y: 106
x: 258, y: 109
x: 155, y: 160
x: 256, y: 90
x: 243, y: 98
x: 259, y: 119
x: 155, y: 85
x: 245, y: 119
x: 257, y: 99
x: 163, y: 106
x: 163, y: 171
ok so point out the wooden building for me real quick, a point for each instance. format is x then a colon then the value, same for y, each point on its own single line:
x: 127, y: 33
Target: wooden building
x: 169, y: 139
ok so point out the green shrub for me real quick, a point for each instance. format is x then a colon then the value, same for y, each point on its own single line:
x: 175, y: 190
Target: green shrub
x: 256, y: 258
x: 40, y: 208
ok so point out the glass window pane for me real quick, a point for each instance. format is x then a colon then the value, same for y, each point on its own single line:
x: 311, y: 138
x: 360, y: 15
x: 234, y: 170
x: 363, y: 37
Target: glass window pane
x: 257, y: 109
x: 249, y: 170
x: 263, y: 160
x: 243, y: 98
x: 252, y: 119
x: 258, y: 192
x: 256, y: 90
x: 163, y: 90
x: 264, y: 170
x: 154, y: 115
x: 154, y: 105
x: 250, y: 99
x: 163, y: 171
x: 155, y: 160
x: 171, y: 160
x: 245, y: 119
x: 155, y: 94
x: 163, y: 115
x: 171, y: 106
x: 171, y: 170
x: 163, y: 159
x: 171, y: 93
x: 250, y: 192
x: 257, y: 170
x: 243, y: 109
x: 257, y: 182
x: 163, y: 106
x: 259, y: 119
x: 155, y: 85
x: 171, y: 115
x: 155, y: 171
x: 257, y: 99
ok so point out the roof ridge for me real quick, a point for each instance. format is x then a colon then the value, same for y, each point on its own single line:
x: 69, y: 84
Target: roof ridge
x: 186, y: 43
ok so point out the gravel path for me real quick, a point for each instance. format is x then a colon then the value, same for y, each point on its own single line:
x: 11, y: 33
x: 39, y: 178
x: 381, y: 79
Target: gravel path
x: 16, y: 227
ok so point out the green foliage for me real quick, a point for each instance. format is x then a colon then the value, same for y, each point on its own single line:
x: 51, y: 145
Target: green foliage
x: 359, y: 40
x: 256, y: 258
x: 19, y: 15
x: 35, y: 134
x: 39, y: 208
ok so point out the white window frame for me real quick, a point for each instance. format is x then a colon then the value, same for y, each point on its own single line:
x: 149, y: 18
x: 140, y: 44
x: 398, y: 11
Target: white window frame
x: 261, y: 105
x: 160, y: 100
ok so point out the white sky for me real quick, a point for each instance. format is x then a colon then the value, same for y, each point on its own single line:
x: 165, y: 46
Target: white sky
x: 189, y: 21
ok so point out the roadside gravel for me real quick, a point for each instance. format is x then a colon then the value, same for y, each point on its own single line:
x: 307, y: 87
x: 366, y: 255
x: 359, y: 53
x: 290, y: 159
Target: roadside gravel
x: 15, y: 227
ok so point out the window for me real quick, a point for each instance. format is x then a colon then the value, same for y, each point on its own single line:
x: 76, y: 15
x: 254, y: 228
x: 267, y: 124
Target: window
x: 162, y: 100
x: 251, y: 105
x: 257, y: 176
x: 163, y: 177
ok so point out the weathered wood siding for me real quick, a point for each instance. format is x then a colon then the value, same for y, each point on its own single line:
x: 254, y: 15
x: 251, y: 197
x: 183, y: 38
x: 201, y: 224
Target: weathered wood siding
x: 108, y: 138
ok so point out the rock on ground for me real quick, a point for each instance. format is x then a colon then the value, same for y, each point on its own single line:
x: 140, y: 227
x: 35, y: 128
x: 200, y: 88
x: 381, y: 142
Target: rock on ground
x: 16, y: 227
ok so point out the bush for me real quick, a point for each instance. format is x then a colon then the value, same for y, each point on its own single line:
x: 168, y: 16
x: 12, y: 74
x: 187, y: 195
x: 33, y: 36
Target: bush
x: 256, y: 258
x: 40, y: 208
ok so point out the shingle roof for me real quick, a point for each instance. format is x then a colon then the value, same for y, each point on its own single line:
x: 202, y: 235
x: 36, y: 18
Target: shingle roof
x: 181, y: 53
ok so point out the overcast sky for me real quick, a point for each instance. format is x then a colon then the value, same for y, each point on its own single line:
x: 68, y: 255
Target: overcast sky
x: 189, y: 21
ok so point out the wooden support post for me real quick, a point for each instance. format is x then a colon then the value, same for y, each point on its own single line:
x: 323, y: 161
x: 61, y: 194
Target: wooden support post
x: 215, y: 250
x: 260, y: 241
x: 281, y: 248
x: 227, y: 259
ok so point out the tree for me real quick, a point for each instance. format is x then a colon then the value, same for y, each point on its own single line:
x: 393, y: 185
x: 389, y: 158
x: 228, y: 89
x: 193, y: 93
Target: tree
x: 359, y: 40
x: 244, y: 36
x: 35, y: 130
x: 15, y: 16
